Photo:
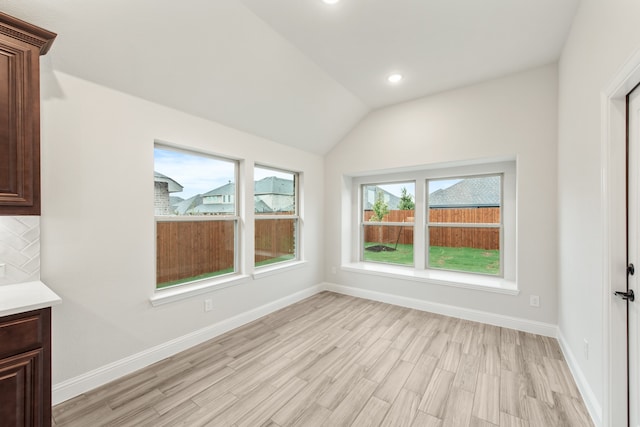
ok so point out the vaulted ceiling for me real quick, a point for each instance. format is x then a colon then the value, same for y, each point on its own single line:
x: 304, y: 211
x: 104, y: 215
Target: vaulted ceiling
x: 298, y: 72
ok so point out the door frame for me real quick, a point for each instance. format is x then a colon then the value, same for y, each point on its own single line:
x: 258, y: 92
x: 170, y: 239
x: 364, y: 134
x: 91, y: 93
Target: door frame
x: 614, y: 231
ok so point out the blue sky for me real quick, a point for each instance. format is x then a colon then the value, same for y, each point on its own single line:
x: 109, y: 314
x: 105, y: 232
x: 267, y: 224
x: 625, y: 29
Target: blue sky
x: 200, y: 174
x: 197, y: 174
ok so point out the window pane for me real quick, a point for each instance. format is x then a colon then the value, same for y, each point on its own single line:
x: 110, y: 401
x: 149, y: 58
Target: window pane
x: 384, y: 203
x: 274, y: 192
x: 468, y: 200
x: 388, y: 202
x: 193, y: 184
x: 275, y: 240
x: 468, y: 249
x: 192, y: 250
x: 388, y: 243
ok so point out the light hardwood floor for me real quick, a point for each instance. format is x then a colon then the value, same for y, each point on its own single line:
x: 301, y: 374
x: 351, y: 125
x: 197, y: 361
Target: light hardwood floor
x: 334, y: 360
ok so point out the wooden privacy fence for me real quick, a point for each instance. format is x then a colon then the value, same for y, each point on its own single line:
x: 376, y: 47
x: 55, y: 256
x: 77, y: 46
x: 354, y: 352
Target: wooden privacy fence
x: 389, y: 234
x: 465, y: 215
x: 274, y: 238
x: 188, y: 249
x: 463, y: 237
x: 455, y: 237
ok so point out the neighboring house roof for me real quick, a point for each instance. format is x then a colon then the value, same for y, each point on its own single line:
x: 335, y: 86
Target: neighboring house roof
x: 174, y: 187
x: 261, y: 206
x: 468, y: 193
x: 225, y: 190
x: 392, y: 200
x: 266, y: 186
x: 174, y: 200
x: 181, y: 208
x: 273, y: 185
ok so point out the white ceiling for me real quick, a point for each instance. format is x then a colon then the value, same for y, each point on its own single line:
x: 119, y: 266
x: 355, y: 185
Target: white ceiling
x: 298, y: 72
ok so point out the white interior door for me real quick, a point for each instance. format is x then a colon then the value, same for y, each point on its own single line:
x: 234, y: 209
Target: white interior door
x: 633, y: 322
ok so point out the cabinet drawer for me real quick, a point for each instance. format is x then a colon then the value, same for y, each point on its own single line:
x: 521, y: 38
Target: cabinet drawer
x: 20, y: 334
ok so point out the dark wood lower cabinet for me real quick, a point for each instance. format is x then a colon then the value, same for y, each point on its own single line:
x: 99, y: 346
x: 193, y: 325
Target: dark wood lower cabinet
x: 25, y: 369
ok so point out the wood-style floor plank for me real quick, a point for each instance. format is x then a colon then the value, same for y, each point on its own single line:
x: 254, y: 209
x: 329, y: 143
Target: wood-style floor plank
x: 403, y: 410
x: 335, y: 360
x: 372, y: 414
x: 425, y: 420
x: 435, y: 398
x: 486, y: 402
x: 459, y: 407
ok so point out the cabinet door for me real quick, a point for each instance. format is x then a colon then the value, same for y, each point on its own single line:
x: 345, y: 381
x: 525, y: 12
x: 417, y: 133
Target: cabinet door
x: 21, y: 390
x: 21, y: 45
x: 19, y: 129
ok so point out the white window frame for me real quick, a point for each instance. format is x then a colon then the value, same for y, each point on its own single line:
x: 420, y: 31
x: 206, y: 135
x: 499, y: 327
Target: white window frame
x: 352, y: 260
x: 364, y: 224
x: 295, y: 216
x: 200, y: 286
x: 499, y: 226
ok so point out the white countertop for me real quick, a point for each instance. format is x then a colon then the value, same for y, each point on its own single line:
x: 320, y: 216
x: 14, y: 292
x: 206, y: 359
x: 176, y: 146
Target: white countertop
x: 21, y: 297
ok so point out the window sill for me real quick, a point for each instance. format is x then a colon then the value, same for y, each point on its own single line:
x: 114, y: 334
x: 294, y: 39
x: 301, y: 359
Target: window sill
x: 437, y: 277
x: 278, y: 268
x: 177, y: 293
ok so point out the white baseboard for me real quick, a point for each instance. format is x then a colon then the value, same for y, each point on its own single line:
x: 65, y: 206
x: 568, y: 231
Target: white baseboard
x: 590, y: 400
x: 88, y: 381
x: 76, y: 386
x: 519, y: 324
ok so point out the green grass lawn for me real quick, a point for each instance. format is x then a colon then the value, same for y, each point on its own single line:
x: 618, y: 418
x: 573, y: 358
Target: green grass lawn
x: 459, y: 259
x: 192, y: 279
x: 465, y: 259
x: 221, y: 272
x: 402, y: 255
x: 282, y: 258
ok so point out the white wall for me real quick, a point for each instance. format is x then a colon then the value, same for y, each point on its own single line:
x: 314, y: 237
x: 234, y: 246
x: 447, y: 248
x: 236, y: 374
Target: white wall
x: 604, y: 34
x: 512, y: 116
x: 97, y: 241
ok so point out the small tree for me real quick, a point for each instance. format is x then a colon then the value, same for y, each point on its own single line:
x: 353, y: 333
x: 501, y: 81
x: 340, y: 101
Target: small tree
x: 380, y: 207
x: 406, y: 201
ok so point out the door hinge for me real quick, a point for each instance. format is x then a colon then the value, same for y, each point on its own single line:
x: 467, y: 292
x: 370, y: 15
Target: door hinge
x: 631, y: 269
x: 629, y: 295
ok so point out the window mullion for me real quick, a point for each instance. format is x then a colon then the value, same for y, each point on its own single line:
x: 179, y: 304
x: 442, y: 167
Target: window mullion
x: 419, y: 234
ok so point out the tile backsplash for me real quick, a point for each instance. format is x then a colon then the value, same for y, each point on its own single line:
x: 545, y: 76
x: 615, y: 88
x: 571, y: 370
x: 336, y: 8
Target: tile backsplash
x: 20, y: 248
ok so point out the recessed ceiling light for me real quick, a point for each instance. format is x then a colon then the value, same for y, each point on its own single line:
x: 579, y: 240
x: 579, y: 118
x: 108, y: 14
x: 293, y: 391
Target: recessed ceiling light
x: 394, y: 78
x: 330, y: 1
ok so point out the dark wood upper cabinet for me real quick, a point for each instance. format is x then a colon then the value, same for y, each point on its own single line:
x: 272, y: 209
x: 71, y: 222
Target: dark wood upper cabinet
x: 21, y: 45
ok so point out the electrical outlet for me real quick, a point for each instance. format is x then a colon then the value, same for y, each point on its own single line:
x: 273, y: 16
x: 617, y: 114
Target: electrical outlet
x: 534, y: 301
x: 208, y: 304
x: 585, y: 348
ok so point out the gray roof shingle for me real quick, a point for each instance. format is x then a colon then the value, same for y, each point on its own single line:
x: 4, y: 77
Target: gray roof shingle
x: 471, y: 192
x: 174, y: 187
x: 273, y: 185
x: 268, y: 185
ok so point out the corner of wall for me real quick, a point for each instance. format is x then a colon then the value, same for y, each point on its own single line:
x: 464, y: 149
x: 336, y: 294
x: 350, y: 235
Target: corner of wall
x: 589, y: 397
